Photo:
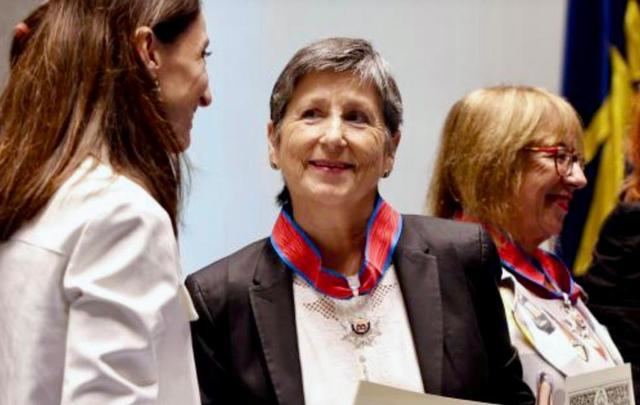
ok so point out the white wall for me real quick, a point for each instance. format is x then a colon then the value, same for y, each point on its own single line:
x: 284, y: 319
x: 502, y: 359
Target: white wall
x: 439, y: 50
x: 12, y: 12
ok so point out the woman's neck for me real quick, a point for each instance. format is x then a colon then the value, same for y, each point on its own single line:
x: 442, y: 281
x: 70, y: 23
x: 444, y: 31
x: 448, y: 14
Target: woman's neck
x: 528, y: 243
x: 528, y: 246
x: 340, y: 234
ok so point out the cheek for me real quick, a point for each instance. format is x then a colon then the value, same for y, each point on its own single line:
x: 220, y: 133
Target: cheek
x: 538, y: 201
x: 172, y: 96
x: 368, y: 149
x: 293, y: 149
x: 184, y: 84
x: 372, y: 158
x: 528, y: 199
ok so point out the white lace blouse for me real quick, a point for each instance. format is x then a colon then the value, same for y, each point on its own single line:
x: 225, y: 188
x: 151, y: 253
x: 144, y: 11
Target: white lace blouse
x: 344, y: 341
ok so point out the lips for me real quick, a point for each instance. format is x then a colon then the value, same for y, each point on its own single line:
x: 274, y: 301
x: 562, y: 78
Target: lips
x: 562, y: 200
x: 331, y: 165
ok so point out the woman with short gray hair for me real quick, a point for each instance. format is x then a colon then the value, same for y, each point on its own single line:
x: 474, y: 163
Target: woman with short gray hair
x: 345, y: 288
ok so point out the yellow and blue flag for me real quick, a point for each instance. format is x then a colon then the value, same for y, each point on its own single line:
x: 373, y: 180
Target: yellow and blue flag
x: 602, y: 63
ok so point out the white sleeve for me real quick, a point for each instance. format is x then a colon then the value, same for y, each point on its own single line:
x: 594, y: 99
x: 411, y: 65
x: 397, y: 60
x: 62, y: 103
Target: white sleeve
x: 122, y: 276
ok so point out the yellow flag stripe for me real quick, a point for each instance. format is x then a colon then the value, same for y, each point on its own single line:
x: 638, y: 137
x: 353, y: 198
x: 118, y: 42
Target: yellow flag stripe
x: 609, y: 128
x: 632, y: 38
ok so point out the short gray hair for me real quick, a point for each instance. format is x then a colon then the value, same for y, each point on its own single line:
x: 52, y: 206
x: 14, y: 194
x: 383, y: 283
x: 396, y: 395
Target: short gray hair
x: 339, y: 55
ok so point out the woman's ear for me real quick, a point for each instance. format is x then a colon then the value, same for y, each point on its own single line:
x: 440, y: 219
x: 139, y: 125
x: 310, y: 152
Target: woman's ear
x: 394, y: 141
x: 146, y: 46
x: 21, y: 30
x: 274, y: 143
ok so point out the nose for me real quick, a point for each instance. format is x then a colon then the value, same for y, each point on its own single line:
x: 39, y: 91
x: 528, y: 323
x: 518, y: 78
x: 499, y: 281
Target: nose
x: 206, y: 98
x: 577, y: 178
x: 332, y: 135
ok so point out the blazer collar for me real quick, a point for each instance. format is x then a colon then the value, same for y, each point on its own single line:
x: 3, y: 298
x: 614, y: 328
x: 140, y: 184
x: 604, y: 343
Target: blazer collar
x: 418, y: 276
x: 272, y: 304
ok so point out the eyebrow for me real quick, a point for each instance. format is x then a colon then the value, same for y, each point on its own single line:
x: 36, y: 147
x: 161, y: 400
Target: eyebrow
x: 360, y: 103
x: 312, y: 101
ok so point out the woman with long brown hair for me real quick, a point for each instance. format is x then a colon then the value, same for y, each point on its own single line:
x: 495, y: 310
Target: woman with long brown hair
x: 94, y: 117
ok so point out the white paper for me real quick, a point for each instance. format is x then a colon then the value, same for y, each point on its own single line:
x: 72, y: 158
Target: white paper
x: 377, y: 394
x: 611, y: 386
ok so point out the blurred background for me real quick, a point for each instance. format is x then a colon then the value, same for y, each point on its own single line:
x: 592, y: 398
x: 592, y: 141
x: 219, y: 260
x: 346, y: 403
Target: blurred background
x: 438, y: 51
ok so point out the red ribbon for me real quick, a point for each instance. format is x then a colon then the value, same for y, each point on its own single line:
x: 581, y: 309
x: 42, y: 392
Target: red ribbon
x: 532, y: 271
x: 299, y: 253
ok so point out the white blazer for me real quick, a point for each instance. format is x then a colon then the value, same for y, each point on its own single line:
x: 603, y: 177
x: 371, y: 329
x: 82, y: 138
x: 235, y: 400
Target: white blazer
x: 92, y: 309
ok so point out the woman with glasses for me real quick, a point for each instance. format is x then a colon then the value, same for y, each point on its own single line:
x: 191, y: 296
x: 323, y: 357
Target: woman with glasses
x: 511, y: 158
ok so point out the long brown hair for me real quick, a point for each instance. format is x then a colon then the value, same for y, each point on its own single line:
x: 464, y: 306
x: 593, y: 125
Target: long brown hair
x: 78, y: 89
x: 21, y: 36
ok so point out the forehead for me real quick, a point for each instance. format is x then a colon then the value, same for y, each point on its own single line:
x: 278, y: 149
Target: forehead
x: 559, y: 135
x: 330, y: 85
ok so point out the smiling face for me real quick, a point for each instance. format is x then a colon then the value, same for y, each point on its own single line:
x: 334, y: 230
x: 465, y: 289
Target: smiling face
x: 543, y: 199
x: 332, y: 145
x: 182, y: 77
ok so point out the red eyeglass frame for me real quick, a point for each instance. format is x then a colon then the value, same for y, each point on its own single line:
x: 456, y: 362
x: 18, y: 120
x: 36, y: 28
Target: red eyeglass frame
x: 555, y: 151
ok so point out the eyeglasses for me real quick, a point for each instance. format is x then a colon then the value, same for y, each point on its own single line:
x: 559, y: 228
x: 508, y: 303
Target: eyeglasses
x: 563, y: 158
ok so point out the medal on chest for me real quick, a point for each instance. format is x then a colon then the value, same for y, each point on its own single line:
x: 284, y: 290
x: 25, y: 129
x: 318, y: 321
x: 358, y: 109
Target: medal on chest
x: 360, y: 326
x: 557, y: 329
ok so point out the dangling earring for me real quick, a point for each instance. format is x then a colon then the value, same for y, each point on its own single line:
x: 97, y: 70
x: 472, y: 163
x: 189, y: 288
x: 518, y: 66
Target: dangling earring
x: 156, y: 86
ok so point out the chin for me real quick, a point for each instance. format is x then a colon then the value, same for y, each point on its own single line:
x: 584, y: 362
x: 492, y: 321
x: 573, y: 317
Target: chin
x: 552, y: 232
x: 184, y: 145
x: 331, y: 199
x: 184, y: 141
x: 183, y: 135
x: 327, y: 197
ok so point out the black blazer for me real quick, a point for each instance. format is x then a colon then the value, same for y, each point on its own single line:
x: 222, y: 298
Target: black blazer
x: 245, y: 341
x: 613, y: 283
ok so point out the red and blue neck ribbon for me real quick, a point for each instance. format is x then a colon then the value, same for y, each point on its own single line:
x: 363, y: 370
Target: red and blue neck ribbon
x: 298, y: 252
x: 542, y: 273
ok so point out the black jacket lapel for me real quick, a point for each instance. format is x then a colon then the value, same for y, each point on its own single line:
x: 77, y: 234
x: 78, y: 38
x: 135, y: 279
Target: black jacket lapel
x: 419, y: 281
x: 272, y: 305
